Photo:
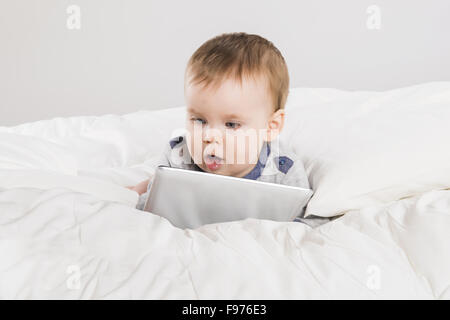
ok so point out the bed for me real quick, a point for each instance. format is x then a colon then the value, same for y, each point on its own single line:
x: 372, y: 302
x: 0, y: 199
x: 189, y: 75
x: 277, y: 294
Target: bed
x: 379, y: 164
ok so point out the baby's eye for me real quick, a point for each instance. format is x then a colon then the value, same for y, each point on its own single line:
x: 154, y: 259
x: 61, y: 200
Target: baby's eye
x: 232, y: 125
x: 198, y: 119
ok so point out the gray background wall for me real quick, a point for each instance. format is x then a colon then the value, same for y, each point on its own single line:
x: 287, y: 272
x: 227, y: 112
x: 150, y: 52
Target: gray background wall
x: 131, y: 55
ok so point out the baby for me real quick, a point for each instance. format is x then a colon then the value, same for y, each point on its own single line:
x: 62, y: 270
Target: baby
x: 236, y: 86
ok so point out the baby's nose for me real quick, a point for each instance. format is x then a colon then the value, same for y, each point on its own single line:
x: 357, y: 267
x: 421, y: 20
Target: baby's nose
x: 212, y: 135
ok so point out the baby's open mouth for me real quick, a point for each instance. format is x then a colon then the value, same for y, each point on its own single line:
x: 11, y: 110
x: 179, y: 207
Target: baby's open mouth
x: 213, y: 162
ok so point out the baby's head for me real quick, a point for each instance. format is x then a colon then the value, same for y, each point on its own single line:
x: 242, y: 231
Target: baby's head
x: 236, y: 86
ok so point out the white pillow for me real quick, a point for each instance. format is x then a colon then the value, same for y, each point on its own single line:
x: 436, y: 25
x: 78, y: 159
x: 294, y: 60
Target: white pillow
x: 359, y: 148
x: 366, y: 148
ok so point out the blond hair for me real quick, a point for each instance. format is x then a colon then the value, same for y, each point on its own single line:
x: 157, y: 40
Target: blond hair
x: 237, y: 55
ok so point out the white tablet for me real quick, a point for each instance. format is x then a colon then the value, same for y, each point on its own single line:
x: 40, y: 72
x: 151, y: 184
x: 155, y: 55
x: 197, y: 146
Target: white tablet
x: 189, y: 199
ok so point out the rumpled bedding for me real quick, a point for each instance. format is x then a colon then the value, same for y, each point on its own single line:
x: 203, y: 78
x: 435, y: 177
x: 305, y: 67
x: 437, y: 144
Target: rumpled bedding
x: 69, y: 229
x: 60, y: 244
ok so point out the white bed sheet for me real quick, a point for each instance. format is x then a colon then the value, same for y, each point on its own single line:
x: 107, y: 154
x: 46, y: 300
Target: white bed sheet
x: 68, y: 229
x: 57, y: 243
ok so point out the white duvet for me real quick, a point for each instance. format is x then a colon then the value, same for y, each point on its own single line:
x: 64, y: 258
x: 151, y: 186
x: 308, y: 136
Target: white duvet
x: 69, y: 229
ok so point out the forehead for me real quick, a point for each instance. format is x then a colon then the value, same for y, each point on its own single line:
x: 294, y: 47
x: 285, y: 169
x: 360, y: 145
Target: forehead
x: 229, y: 97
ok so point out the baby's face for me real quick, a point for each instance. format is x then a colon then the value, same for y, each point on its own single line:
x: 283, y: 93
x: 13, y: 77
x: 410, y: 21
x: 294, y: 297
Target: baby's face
x: 231, y: 123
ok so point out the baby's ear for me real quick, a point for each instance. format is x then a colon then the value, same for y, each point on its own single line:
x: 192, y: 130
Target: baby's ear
x: 275, y: 125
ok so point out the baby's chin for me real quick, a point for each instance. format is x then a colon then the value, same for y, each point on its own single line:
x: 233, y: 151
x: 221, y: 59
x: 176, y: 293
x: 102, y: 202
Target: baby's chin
x: 222, y: 170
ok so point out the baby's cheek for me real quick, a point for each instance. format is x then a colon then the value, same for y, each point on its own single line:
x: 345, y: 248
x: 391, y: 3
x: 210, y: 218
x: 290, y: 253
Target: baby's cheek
x: 237, y: 155
x: 195, y: 150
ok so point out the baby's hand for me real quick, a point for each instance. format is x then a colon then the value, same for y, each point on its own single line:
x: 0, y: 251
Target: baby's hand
x: 140, y: 188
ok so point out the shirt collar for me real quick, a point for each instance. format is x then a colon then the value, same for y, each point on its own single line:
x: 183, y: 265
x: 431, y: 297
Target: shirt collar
x: 258, y: 168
